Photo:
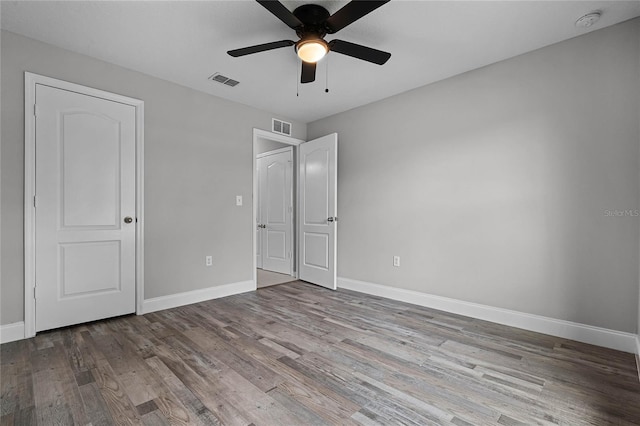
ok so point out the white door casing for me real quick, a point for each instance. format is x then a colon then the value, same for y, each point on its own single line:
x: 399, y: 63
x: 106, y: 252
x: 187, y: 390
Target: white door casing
x: 81, y: 165
x: 318, y: 206
x: 275, y: 188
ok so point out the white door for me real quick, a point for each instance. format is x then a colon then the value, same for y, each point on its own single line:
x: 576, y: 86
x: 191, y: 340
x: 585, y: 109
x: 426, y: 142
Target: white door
x: 258, y: 217
x: 85, y: 208
x: 318, y: 207
x: 276, y: 209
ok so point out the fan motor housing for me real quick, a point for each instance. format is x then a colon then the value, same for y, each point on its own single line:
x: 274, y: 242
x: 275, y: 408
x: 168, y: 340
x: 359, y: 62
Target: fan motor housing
x: 313, y: 17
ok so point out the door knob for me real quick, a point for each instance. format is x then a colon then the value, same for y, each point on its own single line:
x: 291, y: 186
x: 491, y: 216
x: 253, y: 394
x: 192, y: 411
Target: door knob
x: 332, y: 219
x: 128, y: 219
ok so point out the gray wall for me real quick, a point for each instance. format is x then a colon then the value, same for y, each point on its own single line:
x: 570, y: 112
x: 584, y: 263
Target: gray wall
x: 198, y: 156
x: 492, y: 185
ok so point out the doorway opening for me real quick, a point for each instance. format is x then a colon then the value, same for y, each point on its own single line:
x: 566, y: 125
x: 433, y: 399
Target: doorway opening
x: 274, y: 200
x: 311, y: 254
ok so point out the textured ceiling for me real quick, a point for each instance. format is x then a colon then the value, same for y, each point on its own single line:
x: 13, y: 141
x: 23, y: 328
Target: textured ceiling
x: 186, y: 41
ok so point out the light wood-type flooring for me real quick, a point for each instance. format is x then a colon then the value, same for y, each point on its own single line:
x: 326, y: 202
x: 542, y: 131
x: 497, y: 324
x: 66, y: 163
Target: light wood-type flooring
x: 297, y: 354
x: 269, y: 278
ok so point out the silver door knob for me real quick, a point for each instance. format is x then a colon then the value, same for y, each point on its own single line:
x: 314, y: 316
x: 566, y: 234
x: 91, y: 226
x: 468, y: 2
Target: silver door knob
x: 128, y: 219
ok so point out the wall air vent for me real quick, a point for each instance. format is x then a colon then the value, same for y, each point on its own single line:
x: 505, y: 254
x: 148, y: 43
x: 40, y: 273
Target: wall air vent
x: 279, y: 126
x: 219, y: 78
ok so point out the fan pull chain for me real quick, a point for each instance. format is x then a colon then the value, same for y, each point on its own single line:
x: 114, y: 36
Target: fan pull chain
x: 326, y: 83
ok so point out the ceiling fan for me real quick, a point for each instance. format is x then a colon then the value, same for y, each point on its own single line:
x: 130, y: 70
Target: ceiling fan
x: 311, y: 23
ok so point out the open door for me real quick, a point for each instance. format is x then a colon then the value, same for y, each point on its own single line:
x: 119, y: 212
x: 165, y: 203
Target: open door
x: 318, y: 206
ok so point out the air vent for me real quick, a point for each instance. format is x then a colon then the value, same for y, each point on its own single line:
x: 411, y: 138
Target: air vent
x: 219, y: 78
x: 282, y: 127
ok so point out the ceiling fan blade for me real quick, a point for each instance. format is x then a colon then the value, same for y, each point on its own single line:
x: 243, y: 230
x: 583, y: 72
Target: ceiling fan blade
x: 281, y: 12
x: 358, y: 51
x: 350, y: 13
x: 260, y: 48
x: 308, y: 72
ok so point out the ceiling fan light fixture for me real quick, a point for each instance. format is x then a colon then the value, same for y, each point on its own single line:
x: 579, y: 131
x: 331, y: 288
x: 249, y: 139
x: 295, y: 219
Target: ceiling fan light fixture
x: 312, y: 50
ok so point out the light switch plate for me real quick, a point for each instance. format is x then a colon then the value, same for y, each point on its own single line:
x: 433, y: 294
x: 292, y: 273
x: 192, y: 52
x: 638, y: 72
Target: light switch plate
x: 208, y: 260
x: 238, y: 200
x: 396, y: 260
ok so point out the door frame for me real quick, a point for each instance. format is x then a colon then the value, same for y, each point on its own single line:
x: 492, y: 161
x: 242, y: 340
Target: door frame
x: 30, y: 111
x: 263, y: 134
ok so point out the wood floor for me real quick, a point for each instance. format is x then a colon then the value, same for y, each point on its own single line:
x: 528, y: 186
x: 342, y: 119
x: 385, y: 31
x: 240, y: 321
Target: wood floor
x: 298, y: 354
x: 268, y: 278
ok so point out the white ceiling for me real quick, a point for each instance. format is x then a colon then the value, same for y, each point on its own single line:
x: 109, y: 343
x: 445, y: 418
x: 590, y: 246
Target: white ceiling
x: 186, y: 41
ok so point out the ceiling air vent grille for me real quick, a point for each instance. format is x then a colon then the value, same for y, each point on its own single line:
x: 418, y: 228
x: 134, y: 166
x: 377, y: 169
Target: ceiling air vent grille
x: 282, y: 127
x: 219, y: 78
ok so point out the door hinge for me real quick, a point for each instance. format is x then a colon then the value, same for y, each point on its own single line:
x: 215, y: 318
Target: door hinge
x: 35, y: 201
x: 35, y: 110
x: 34, y: 292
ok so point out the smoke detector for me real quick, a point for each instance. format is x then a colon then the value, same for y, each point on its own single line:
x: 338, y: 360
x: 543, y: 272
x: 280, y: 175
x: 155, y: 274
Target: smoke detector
x: 588, y: 20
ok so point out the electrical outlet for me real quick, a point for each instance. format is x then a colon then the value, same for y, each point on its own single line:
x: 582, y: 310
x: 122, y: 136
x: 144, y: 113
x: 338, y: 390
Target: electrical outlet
x: 238, y: 200
x: 396, y: 260
x: 208, y: 260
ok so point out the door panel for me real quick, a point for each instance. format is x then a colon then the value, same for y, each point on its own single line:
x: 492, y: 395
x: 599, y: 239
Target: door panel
x: 316, y: 250
x: 276, y: 244
x: 316, y: 187
x: 89, y: 268
x: 90, y: 193
x: 318, y: 207
x: 275, y: 188
x: 85, y: 186
x: 277, y: 174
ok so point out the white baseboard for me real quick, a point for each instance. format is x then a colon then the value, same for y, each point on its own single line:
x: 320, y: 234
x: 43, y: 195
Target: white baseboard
x: 560, y: 328
x: 195, y: 296
x: 15, y: 331
x: 11, y: 332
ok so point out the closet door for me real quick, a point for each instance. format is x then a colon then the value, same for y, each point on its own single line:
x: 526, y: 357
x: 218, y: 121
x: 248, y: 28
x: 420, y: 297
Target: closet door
x: 85, y: 211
